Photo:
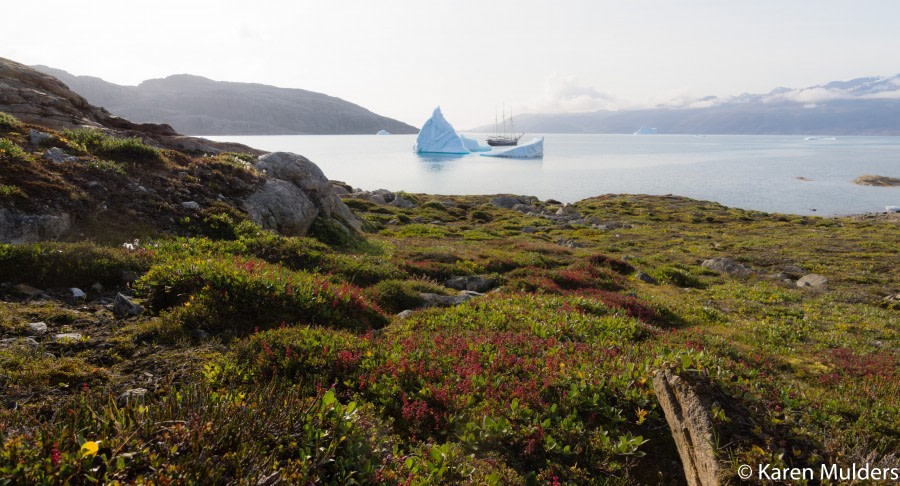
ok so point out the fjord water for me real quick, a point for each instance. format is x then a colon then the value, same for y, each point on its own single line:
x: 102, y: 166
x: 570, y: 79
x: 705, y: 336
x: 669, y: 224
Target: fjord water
x: 750, y: 172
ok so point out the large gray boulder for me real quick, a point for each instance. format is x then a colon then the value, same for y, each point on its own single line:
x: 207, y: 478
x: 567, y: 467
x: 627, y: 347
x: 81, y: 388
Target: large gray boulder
x: 17, y: 227
x: 281, y: 206
x: 296, y: 193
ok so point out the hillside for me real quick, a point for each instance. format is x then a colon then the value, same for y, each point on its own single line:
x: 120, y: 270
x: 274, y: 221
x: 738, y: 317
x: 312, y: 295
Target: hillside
x: 201, y: 106
x: 865, y: 106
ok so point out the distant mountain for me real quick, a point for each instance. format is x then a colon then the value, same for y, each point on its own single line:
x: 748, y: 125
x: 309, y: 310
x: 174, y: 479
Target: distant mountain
x: 201, y: 106
x: 863, y: 106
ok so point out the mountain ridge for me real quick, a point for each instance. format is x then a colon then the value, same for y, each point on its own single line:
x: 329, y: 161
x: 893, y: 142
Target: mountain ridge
x: 860, y: 106
x: 202, y: 106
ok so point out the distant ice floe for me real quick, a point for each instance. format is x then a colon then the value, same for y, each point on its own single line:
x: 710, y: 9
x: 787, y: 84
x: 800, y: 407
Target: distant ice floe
x: 892, y: 209
x: 820, y: 138
x: 645, y: 131
x: 437, y: 136
x: 473, y: 145
x: 383, y: 132
x: 531, y: 150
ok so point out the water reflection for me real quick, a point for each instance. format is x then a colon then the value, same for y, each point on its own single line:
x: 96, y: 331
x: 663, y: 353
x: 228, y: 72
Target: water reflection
x: 439, y: 162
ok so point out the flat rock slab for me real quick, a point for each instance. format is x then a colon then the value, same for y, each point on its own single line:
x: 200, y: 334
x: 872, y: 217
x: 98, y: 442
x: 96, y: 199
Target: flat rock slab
x: 474, y: 283
x: 438, y: 300
x: 813, y: 281
x: 726, y: 265
x: 68, y: 336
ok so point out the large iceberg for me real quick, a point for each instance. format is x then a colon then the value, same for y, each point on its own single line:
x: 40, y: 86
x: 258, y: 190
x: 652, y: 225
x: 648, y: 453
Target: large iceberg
x: 473, y: 145
x: 437, y: 136
x: 531, y: 150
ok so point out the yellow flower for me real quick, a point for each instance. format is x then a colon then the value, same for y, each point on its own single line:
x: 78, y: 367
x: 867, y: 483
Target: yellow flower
x: 89, y: 448
x: 641, y: 415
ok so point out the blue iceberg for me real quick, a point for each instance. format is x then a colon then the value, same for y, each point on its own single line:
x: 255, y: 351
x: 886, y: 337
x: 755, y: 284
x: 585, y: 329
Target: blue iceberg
x: 531, y: 150
x: 472, y: 145
x: 383, y: 132
x: 437, y: 136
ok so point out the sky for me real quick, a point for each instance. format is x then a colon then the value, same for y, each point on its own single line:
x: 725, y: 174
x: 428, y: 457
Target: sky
x: 402, y: 58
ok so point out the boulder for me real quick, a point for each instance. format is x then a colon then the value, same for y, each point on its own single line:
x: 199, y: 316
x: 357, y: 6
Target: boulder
x: 726, y: 265
x: 644, y: 277
x: 813, y: 281
x: 474, y: 283
x: 37, y: 328
x: 29, y: 291
x: 124, y: 307
x: 404, y: 314
x: 569, y: 243
x: 25, y: 341
x: 68, y: 336
x: 18, y: 227
x: 37, y: 137
x: 507, y: 202
x: 401, y: 202
x: 437, y: 300
x: 78, y: 295
x: 525, y: 208
x: 687, y: 413
x: 57, y: 156
x: 191, y: 205
x: 281, y: 206
x: 386, y: 194
x: 529, y: 230
x: 294, y: 195
x: 567, y: 210
x: 376, y: 198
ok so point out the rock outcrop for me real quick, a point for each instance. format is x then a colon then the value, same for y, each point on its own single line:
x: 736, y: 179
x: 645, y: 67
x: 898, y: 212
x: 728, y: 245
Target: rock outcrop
x: 296, y: 193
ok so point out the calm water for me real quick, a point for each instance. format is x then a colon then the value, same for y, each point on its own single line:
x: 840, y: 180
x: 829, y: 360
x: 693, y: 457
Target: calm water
x: 752, y: 172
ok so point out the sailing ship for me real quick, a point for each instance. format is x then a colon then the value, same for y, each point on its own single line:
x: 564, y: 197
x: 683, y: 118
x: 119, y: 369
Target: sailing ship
x: 508, y: 136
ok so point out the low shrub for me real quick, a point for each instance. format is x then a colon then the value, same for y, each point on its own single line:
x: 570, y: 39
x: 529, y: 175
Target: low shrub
x: 399, y: 295
x: 9, y: 122
x: 106, y: 166
x: 677, y: 275
x: 318, y: 357
x: 235, y: 295
x: 9, y: 149
x: 69, y: 264
x: 119, y: 149
x: 197, y: 435
x: 11, y: 191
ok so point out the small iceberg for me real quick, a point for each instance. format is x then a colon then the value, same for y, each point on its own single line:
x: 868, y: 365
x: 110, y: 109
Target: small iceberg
x: 437, y: 136
x: 645, y: 131
x: 383, y: 132
x: 820, y: 138
x: 531, y: 150
x: 472, y: 145
x: 892, y: 209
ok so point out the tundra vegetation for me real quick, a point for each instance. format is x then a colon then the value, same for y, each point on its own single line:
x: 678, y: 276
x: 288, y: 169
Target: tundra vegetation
x: 264, y: 359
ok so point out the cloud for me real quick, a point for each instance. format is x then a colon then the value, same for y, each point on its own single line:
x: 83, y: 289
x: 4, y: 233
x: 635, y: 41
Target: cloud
x: 567, y: 94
